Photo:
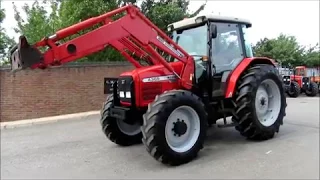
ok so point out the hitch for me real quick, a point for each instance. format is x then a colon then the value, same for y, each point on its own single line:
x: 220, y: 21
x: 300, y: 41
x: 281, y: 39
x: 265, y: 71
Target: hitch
x: 23, y: 55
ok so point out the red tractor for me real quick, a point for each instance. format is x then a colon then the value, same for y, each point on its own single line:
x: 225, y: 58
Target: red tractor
x: 291, y: 83
x: 292, y: 88
x: 298, y: 82
x: 203, y: 71
x: 310, y: 80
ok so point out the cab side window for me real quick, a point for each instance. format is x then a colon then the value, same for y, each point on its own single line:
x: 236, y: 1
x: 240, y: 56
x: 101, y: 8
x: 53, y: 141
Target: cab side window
x: 227, y: 50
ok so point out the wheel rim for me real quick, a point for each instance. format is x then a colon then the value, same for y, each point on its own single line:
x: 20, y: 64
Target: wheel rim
x: 268, y: 102
x: 128, y: 129
x: 183, y: 121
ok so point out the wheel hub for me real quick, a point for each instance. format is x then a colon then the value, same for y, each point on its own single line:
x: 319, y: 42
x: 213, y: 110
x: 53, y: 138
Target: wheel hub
x: 179, y: 127
x: 262, y: 101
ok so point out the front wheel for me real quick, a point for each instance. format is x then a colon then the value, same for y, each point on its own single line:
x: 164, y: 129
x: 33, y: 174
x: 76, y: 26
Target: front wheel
x: 312, y: 89
x: 294, y: 90
x: 174, y: 127
x: 261, y: 103
x: 117, y: 130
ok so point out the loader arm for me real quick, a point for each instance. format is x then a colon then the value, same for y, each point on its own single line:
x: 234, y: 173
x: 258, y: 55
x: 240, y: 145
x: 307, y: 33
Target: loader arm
x: 132, y: 34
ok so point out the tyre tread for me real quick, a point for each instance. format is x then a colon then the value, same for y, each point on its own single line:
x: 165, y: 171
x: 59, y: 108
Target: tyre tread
x: 110, y: 128
x: 313, y: 90
x: 153, y: 121
x: 246, y: 124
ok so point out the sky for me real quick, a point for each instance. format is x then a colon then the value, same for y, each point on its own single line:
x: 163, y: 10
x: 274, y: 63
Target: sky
x: 269, y: 18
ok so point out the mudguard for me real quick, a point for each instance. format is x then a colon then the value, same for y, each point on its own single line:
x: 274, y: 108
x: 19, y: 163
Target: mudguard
x: 237, y: 72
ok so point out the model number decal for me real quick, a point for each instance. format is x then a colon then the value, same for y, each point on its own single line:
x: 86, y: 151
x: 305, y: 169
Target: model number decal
x: 159, y: 78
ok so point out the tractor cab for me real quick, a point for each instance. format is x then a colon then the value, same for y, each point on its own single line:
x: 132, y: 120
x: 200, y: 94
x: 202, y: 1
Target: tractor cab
x: 217, y: 43
x: 300, y: 71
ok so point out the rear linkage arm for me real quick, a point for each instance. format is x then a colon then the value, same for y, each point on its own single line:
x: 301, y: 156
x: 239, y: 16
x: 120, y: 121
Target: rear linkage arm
x: 132, y: 32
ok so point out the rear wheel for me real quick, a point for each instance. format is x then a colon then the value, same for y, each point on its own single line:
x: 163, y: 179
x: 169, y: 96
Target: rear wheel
x: 117, y: 130
x: 294, y: 90
x: 174, y: 127
x: 261, y: 103
x: 312, y: 89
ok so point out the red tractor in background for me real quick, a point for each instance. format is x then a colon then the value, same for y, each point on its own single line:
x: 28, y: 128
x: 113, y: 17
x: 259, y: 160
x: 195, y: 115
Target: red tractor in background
x: 290, y: 81
x: 298, y: 82
x: 292, y: 88
x: 310, y: 79
x: 202, y: 72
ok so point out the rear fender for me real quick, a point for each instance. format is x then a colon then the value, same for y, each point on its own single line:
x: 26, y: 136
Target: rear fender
x: 237, y: 72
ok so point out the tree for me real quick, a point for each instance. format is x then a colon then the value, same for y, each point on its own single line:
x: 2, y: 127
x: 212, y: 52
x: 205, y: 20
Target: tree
x: 164, y: 12
x: 284, y: 49
x: 39, y: 22
x: 312, y: 56
x: 6, y: 42
x: 74, y: 11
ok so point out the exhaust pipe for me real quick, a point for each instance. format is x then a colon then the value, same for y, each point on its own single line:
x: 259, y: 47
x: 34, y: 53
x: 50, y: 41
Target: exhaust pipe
x: 23, y: 55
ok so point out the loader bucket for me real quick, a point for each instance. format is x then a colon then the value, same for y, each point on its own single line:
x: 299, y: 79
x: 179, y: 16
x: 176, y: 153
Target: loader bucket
x: 23, y: 55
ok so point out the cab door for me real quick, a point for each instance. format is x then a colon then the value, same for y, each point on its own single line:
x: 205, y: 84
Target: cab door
x: 227, y: 53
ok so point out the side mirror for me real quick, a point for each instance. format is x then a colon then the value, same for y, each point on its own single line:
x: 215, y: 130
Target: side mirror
x: 213, y: 31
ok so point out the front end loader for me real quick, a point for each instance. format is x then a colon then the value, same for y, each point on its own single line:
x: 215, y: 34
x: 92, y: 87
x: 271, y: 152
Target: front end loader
x: 202, y: 72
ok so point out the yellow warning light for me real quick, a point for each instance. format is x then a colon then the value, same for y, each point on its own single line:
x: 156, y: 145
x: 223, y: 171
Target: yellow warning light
x: 204, y: 58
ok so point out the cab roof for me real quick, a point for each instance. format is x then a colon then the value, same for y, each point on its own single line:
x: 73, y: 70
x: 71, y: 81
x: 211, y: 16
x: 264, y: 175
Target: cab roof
x: 216, y: 18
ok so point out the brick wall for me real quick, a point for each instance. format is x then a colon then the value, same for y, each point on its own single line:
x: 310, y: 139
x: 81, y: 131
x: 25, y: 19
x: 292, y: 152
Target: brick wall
x: 60, y: 90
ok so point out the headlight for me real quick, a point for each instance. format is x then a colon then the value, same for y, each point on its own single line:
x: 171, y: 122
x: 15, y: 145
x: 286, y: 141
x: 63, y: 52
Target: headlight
x: 125, y: 95
x: 121, y: 94
x: 128, y: 94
